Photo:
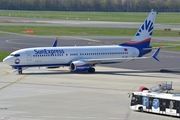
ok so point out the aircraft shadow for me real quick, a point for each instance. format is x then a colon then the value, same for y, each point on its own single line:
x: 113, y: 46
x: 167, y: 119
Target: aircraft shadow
x: 118, y: 73
x: 170, y: 71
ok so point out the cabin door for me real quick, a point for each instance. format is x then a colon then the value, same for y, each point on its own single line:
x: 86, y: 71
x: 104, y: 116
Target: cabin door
x: 29, y: 56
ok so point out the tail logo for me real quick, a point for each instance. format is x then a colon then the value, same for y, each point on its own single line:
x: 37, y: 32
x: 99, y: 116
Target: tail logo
x: 146, y: 27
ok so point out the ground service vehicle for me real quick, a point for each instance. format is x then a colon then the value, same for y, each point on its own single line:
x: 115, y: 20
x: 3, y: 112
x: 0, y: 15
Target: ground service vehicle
x: 156, y: 102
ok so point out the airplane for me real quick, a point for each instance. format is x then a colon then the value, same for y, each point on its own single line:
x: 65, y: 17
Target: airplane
x: 85, y: 58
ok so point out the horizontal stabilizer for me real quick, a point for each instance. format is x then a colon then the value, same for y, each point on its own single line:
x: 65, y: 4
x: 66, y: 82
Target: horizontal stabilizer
x: 156, y: 53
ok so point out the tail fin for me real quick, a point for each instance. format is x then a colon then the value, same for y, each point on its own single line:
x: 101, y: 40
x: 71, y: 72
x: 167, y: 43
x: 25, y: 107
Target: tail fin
x: 143, y: 36
x: 55, y: 43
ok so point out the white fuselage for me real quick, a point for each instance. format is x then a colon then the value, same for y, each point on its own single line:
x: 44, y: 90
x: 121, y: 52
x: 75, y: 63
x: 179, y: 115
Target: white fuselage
x: 60, y: 56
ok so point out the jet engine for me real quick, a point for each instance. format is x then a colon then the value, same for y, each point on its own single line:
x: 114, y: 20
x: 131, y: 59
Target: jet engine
x: 79, y: 66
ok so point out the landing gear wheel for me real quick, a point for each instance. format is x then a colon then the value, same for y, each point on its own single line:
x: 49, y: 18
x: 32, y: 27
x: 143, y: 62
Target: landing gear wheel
x: 20, y: 71
x: 91, y: 70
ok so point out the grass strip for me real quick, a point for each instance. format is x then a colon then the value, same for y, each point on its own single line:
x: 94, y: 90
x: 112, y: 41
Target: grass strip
x: 162, y: 17
x: 84, y: 31
x: 4, y: 34
x: 3, y: 54
x: 170, y: 45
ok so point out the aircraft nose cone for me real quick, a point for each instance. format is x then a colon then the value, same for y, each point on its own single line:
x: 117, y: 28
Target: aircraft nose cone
x: 7, y: 60
x: 4, y: 60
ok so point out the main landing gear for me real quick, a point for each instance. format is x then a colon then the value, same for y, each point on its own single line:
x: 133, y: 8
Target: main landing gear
x: 91, y: 70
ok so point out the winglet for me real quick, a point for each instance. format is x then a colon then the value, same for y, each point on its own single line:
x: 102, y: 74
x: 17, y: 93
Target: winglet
x: 55, y: 42
x: 156, y: 53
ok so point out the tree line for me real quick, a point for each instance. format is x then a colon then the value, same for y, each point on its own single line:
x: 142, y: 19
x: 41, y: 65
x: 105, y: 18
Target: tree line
x: 92, y: 5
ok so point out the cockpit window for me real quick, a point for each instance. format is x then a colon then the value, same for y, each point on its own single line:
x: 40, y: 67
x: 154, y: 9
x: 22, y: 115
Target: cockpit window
x: 17, y: 55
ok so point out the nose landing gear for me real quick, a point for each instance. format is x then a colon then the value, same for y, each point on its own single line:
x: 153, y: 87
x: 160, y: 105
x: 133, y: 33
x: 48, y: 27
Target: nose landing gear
x: 20, y: 71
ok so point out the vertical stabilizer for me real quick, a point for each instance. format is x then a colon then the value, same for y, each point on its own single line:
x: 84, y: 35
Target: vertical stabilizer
x: 55, y: 43
x: 145, y: 31
x: 143, y: 36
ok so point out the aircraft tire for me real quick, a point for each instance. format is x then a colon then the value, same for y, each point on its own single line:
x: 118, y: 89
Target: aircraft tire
x: 20, y: 71
x: 91, y: 70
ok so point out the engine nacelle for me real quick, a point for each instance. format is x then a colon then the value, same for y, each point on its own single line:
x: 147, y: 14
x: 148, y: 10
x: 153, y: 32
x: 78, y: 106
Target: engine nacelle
x: 79, y: 66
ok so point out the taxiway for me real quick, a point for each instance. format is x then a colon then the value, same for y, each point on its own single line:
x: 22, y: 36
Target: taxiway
x: 41, y: 94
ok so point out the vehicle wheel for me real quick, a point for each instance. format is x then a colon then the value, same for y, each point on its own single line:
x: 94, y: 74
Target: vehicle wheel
x: 140, y: 109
